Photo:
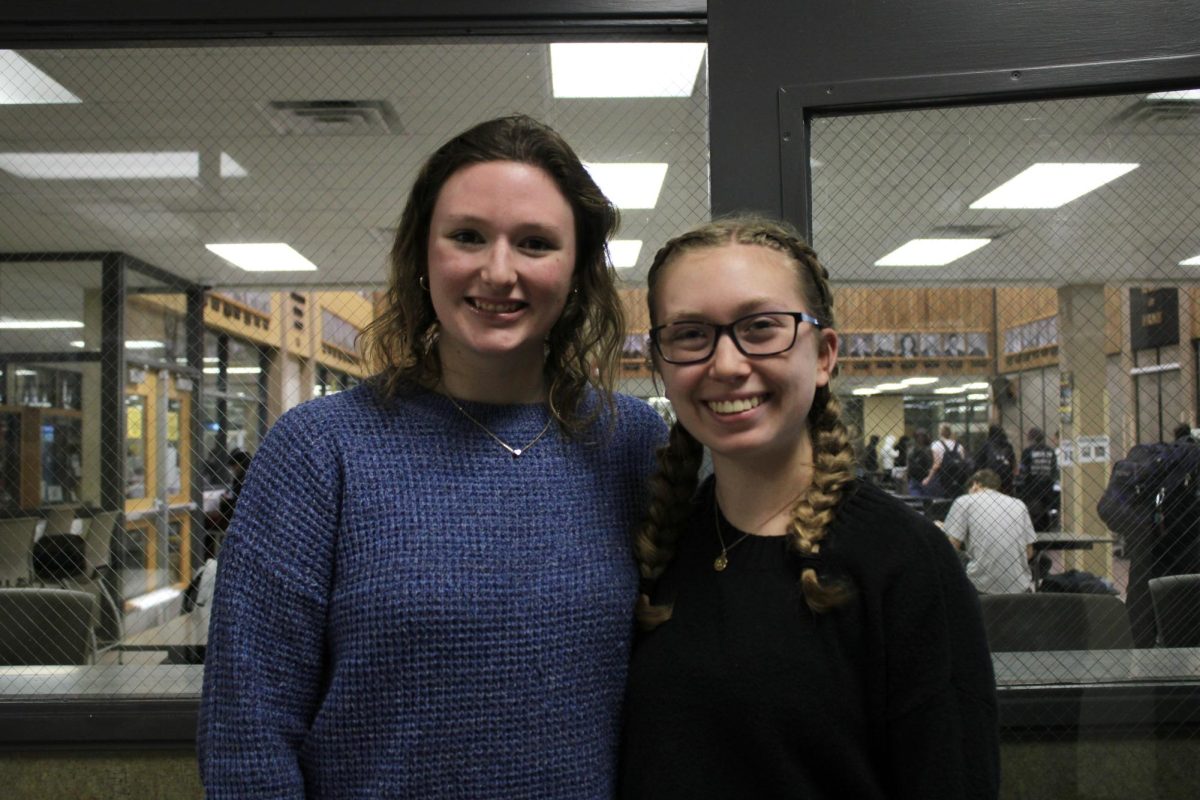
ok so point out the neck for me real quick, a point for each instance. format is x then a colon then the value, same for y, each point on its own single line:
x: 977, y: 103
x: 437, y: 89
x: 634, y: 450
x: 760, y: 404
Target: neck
x: 509, y: 379
x: 757, y: 497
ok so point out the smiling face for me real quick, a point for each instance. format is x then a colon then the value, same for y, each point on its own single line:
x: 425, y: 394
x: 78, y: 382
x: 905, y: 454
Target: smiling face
x: 501, y: 258
x: 743, y: 407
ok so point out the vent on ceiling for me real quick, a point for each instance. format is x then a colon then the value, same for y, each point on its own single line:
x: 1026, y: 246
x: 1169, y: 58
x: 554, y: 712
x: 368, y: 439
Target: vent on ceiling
x: 333, y: 117
x: 1149, y: 111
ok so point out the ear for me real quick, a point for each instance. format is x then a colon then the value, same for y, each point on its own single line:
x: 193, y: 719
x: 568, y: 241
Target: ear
x: 827, y: 354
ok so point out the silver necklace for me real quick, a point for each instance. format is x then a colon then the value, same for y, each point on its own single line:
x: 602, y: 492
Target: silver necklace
x: 515, y: 451
x: 722, y: 561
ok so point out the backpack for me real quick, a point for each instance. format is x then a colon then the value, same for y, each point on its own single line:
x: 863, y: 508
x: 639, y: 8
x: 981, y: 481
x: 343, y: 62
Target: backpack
x: 920, y: 461
x: 954, y: 472
x: 1153, y: 490
x: 999, y: 461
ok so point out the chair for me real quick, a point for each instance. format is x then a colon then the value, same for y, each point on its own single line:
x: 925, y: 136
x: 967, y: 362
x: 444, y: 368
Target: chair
x: 98, y: 537
x: 1051, y: 621
x: 1176, y: 601
x: 16, y: 545
x: 47, y: 626
x: 59, y: 519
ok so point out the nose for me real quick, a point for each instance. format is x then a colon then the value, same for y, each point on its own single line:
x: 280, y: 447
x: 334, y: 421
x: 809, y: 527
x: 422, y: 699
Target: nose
x: 500, y: 269
x: 727, y: 361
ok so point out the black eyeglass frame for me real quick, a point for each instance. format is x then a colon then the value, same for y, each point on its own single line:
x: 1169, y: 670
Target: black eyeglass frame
x: 719, y: 330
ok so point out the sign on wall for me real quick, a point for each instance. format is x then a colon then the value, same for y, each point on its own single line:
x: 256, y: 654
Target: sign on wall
x: 1153, y: 318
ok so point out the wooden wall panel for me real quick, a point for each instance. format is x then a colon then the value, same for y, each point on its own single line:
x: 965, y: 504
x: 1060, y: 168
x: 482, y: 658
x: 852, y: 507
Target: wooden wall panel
x: 923, y: 309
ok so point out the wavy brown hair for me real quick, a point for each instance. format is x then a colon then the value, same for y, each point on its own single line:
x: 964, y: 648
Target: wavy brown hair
x: 675, y: 482
x: 583, y: 347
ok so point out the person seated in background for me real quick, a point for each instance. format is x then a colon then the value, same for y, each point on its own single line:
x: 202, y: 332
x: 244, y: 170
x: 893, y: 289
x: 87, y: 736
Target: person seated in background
x: 996, y: 533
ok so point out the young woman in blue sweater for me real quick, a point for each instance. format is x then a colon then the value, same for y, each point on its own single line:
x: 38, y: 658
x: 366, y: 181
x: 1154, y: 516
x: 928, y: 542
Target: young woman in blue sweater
x: 806, y: 635
x: 427, y: 588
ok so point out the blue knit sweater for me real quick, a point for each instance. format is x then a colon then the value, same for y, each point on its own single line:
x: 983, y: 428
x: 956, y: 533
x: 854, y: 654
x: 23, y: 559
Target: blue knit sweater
x: 405, y: 610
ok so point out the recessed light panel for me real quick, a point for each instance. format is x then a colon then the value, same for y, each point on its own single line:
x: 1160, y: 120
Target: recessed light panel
x: 1051, y: 185
x: 1191, y: 262
x: 930, y: 252
x: 624, y: 252
x: 629, y: 185
x: 625, y: 69
x: 923, y: 381
x: 263, y: 257
x: 949, y: 390
x: 21, y: 83
x: 10, y: 324
x: 866, y: 392
x: 112, y: 166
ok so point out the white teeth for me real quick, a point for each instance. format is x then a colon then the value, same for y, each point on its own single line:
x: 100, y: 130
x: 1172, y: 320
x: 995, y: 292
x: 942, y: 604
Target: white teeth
x: 496, y: 308
x: 734, y: 406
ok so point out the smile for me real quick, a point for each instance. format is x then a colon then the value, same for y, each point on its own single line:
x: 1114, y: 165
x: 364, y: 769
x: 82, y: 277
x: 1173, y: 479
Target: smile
x: 735, y: 406
x: 494, y: 307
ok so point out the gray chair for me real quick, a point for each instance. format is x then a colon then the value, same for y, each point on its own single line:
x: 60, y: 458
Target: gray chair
x: 16, y: 545
x: 1176, y: 601
x: 47, y: 626
x: 59, y: 518
x: 1055, y: 621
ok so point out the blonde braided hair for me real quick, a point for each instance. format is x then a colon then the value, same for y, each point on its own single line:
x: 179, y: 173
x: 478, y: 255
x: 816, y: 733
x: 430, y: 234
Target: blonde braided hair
x: 673, y: 486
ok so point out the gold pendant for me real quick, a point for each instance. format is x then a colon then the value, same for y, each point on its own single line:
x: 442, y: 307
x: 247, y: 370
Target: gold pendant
x: 720, y: 563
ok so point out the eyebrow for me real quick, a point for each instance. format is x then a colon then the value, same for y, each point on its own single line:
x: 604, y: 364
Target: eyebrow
x: 758, y: 304
x: 471, y: 219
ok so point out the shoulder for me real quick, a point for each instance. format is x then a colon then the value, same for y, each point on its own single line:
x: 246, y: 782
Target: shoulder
x: 871, y: 524
x: 637, y: 420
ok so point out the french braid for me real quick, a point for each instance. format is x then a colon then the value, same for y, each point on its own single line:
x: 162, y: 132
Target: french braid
x: 673, y: 485
x: 671, y: 491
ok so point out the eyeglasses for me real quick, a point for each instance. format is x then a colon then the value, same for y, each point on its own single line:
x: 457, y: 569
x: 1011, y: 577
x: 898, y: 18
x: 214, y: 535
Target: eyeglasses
x: 763, y: 334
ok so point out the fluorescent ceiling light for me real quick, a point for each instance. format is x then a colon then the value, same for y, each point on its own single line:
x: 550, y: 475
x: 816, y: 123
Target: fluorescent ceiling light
x: 1194, y: 261
x: 1184, y: 96
x: 113, y: 166
x: 976, y: 385
x: 890, y: 387
x: 9, y: 324
x: 629, y: 185
x: 1051, y: 185
x: 949, y: 390
x: 977, y: 397
x: 930, y: 252
x: 624, y: 252
x: 263, y: 257
x: 143, y: 344
x: 625, y: 69
x: 25, y: 373
x: 22, y: 83
x: 233, y: 371
x: 77, y: 343
x: 865, y: 392
x: 918, y: 381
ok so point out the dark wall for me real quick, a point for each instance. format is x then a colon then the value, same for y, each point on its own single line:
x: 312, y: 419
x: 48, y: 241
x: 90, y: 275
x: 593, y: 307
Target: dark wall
x: 757, y: 46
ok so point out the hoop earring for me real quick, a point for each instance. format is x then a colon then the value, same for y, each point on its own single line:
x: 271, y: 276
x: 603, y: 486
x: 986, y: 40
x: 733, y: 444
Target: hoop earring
x: 423, y: 283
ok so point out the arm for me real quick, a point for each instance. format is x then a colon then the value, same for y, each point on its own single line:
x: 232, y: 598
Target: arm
x: 942, y: 723
x: 936, y: 452
x: 263, y: 671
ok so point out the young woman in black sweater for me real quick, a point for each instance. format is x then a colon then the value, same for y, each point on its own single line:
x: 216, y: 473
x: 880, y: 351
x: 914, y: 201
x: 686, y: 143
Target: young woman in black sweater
x: 804, y: 634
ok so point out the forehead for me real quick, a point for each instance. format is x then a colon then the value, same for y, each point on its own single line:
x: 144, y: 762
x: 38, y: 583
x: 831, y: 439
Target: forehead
x: 504, y: 191
x: 728, y: 278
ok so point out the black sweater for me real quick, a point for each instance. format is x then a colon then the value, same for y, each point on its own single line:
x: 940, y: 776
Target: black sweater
x: 746, y: 693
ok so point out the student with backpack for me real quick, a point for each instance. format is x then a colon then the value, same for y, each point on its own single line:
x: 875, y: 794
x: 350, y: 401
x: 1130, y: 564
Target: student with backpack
x: 949, y: 473
x: 1152, y: 502
x: 919, y: 461
x: 997, y: 455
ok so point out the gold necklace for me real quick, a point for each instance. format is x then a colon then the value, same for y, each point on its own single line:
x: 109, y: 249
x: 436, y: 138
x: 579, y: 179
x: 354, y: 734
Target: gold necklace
x: 722, y: 561
x: 515, y: 451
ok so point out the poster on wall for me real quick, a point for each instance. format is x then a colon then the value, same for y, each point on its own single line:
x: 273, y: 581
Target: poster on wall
x: 1066, y: 387
x: 1153, y: 318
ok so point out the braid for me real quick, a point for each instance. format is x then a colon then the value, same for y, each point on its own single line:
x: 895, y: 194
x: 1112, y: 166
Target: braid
x: 833, y: 461
x: 671, y: 490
